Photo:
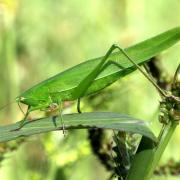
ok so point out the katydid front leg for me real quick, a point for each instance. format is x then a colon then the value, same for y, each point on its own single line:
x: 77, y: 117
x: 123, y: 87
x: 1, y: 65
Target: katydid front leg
x: 24, y: 119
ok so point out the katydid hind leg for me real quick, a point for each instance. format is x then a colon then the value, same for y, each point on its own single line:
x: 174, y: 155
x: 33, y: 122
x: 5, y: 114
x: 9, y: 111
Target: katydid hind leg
x: 104, y: 67
x: 83, y: 86
x: 140, y: 69
x: 88, y: 80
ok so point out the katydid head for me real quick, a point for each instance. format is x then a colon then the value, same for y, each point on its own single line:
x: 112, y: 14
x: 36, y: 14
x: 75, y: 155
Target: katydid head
x: 37, y: 98
x: 33, y: 102
x: 30, y: 101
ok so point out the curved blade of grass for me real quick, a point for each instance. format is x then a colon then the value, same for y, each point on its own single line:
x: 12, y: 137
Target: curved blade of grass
x: 106, y: 120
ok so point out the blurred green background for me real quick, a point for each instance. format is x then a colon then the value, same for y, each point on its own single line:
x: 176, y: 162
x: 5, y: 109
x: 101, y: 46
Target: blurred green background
x: 41, y: 38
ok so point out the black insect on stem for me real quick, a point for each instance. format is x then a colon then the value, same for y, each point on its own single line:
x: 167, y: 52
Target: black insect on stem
x: 170, y: 106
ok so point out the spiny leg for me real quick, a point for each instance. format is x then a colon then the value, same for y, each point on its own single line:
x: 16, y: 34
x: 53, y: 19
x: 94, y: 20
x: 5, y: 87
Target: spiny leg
x: 139, y: 68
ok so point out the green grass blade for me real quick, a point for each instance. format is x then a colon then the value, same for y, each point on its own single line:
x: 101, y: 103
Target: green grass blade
x: 106, y: 120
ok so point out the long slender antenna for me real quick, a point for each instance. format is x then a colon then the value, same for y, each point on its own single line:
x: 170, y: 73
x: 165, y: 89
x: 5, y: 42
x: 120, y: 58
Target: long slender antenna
x: 139, y: 68
x: 2, y: 107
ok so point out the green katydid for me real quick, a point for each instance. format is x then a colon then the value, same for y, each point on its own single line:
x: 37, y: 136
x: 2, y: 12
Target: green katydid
x: 86, y: 78
x: 48, y: 95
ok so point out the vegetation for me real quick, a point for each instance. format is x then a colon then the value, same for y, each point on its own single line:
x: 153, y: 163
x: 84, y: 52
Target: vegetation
x: 52, y: 156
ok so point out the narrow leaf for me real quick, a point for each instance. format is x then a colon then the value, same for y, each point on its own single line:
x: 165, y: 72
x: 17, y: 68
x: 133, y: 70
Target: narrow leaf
x: 104, y: 120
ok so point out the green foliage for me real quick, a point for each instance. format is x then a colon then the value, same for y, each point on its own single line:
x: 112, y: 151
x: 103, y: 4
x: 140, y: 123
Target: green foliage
x: 151, y: 154
x: 151, y: 48
x: 78, y: 121
x: 51, y: 36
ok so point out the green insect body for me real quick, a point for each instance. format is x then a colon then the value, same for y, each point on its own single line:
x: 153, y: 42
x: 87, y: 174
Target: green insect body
x: 49, y: 94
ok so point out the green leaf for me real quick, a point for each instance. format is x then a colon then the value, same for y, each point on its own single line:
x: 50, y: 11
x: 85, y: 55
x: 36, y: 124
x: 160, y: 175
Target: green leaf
x: 106, y: 120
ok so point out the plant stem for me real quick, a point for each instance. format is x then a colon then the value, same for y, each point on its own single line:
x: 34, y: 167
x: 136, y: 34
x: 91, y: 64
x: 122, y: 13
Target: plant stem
x: 147, y: 156
x: 167, y: 133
